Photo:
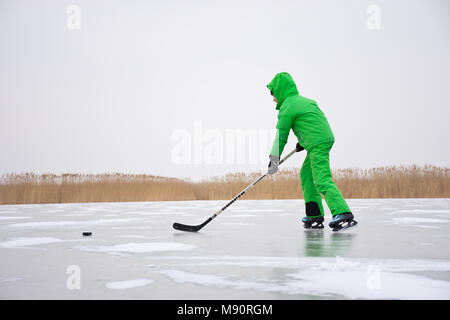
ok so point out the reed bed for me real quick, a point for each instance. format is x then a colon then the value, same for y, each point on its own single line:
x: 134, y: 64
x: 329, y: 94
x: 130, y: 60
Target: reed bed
x: 384, y: 182
x: 117, y: 187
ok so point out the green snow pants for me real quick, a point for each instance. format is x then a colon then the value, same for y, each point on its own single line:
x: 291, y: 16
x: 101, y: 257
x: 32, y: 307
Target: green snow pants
x: 315, y: 177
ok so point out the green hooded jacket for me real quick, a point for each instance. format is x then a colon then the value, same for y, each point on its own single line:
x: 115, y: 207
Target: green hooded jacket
x: 298, y: 113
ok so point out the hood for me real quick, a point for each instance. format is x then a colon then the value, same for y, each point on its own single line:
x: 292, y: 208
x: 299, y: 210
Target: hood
x: 282, y: 86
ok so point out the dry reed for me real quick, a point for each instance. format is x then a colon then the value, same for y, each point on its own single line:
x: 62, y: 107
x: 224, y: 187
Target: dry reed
x: 385, y: 182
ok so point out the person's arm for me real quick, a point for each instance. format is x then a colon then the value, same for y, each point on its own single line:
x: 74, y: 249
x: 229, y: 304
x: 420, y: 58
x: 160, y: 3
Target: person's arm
x: 284, y: 125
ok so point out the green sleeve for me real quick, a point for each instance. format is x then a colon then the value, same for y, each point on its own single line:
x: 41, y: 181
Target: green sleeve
x: 284, y: 125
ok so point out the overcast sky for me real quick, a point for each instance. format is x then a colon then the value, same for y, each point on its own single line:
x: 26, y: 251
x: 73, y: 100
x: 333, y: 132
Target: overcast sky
x: 128, y: 88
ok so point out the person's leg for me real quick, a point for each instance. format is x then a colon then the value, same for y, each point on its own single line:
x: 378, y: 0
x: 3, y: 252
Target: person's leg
x: 321, y: 173
x: 312, y: 196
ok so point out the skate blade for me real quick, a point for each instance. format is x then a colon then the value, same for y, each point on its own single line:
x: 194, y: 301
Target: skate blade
x: 316, y: 227
x: 349, y: 225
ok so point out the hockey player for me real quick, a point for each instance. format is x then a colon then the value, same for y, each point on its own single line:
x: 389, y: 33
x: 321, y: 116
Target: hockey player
x: 314, y: 135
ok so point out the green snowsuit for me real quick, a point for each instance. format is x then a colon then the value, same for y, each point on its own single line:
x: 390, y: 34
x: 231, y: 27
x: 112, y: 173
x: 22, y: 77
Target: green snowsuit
x: 313, y: 132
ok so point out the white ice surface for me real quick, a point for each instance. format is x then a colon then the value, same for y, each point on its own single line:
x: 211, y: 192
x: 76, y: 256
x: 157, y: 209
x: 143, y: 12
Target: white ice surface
x: 314, y: 263
x: 128, y: 284
x: 422, y: 211
x: 26, y: 242
x: 138, y: 247
x: 56, y: 224
x: 13, y: 218
x: 360, y: 284
x: 253, y: 250
x: 351, y: 284
x: 415, y: 220
x: 6, y: 280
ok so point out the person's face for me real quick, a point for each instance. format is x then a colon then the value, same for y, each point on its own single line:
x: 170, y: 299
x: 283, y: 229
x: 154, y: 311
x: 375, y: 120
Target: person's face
x: 274, y: 99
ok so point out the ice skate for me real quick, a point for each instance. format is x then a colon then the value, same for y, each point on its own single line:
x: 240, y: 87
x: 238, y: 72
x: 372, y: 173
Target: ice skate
x: 312, y: 223
x: 342, y: 221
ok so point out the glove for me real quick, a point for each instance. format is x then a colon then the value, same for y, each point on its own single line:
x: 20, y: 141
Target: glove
x: 273, y: 164
x: 298, y: 147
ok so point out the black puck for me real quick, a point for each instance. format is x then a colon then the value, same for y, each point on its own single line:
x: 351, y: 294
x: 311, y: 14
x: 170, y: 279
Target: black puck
x: 87, y: 234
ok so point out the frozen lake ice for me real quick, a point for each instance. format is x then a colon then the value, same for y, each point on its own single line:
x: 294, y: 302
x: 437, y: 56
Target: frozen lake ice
x: 256, y: 249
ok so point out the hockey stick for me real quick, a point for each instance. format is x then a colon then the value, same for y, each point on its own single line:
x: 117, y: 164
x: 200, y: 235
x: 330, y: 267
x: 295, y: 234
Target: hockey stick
x: 185, y: 227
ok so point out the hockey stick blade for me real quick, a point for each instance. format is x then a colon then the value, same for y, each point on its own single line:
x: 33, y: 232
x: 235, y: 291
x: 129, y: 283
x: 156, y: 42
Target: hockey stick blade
x: 185, y: 227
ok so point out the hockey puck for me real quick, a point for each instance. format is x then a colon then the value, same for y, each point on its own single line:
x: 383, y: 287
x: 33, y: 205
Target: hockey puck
x: 87, y: 234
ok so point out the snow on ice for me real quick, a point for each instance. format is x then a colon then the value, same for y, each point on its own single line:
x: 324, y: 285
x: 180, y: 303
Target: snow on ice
x: 257, y: 249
